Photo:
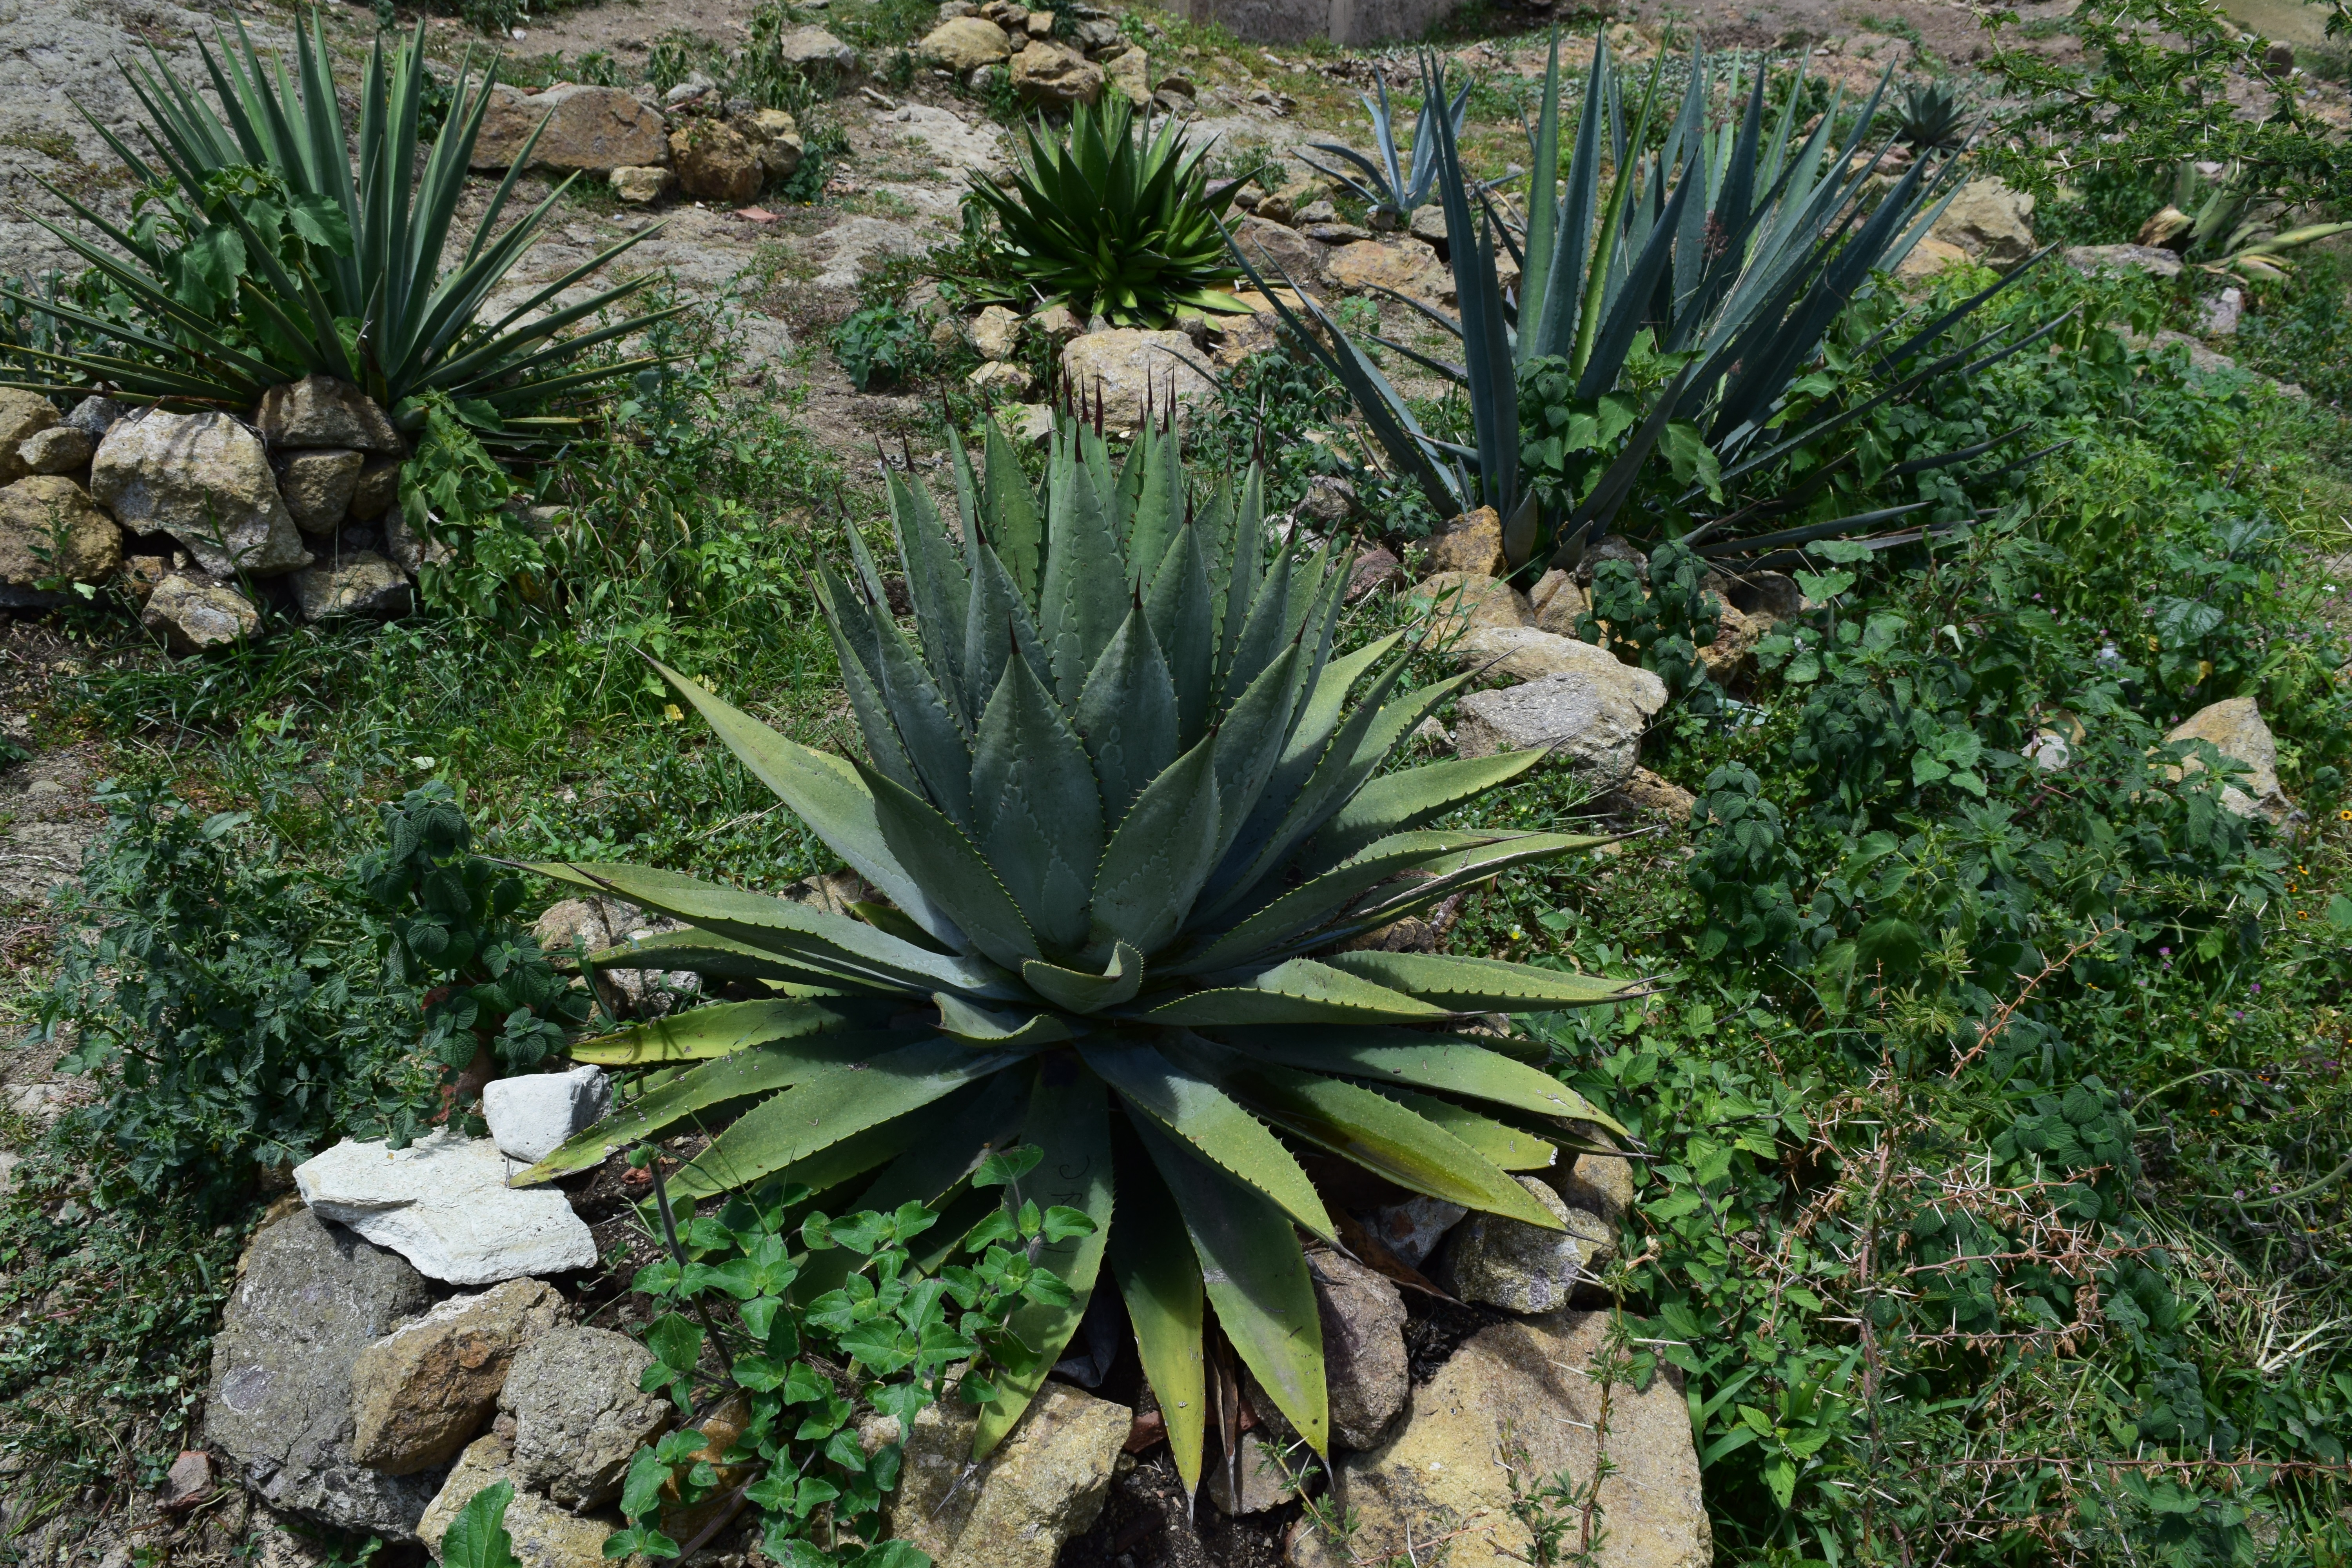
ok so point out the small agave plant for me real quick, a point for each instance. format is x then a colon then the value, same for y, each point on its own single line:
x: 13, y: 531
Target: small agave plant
x: 1125, y: 806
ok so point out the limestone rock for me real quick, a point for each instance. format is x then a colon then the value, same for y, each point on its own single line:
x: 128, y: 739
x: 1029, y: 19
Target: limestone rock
x: 598, y: 923
x: 377, y: 487
x: 813, y: 47
x: 1057, y: 324
x: 716, y: 162
x: 1374, y: 570
x: 96, y: 415
x: 1989, y: 221
x: 59, y: 449
x: 2152, y: 259
x: 1130, y: 73
x: 541, y: 1535
x: 1520, y: 1267
x: 23, y: 415
x: 532, y: 1115
x: 310, y: 1298
x: 410, y: 550
x: 1258, y: 1467
x: 994, y: 332
x: 318, y: 488
x: 443, y: 1202
x: 49, y: 528
x: 579, y: 1414
x: 1001, y: 379
x: 1737, y: 634
x: 192, y: 615
x: 1591, y: 719
x: 1412, y: 1229
x: 591, y: 129
x: 1463, y: 602
x: 205, y: 479
x: 1043, y: 1484
x: 1429, y: 224
x: 1927, y: 258
x: 2237, y: 731
x: 639, y: 186
x: 1518, y: 1393
x: 1383, y: 264
x: 320, y: 412
x: 1115, y: 366
x: 1032, y: 425
x: 360, y: 582
x: 1559, y: 604
x: 1602, y: 1183
x: 964, y: 44
x: 419, y: 1393
x: 1285, y: 202
x: 1471, y: 543
x: 2217, y: 316
x: 1363, y: 1348
x: 1054, y: 75
x: 1283, y: 256
x: 1643, y: 790
x: 1528, y: 653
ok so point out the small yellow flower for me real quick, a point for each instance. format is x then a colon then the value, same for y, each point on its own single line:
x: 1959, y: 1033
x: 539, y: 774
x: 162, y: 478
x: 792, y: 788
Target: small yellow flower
x: 673, y: 712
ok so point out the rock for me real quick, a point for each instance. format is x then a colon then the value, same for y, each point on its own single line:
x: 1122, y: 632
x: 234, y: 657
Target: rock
x: 1099, y: 36
x: 1282, y: 254
x: 964, y: 44
x: 1987, y: 220
x: 443, y: 1202
x: 59, y: 449
x: 361, y: 583
x: 23, y: 415
x: 640, y: 185
x: 419, y: 1393
x: 716, y: 162
x: 1734, y: 647
x: 376, y: 490
x: 1429, y: 225
x: 1590, y: 720
x: 532, y: 1114
x: 1520, y: 1267
x: 1461, y: 602
x: 1054, y: 77
x: 1043, y: 1484
x: 188, y: 1482
x: 2218, y: 315
x: 541, y: 1534
x: 1001, y: 379
x: 1384, y: 264
x: 1257, y: 1464
x: 1927, y: 258
x: 318, y: 488
x: 1522, y: 1390
x: 205, y: 479
x: 51, y: 530
x: 1114, y: 366
x: 96, y: 415
x: 1285, y: 202
x: 1057, y: 324
x: 2237, y: 731
x: 1559, y: 604
x: 1363, y: 1348
x: 597, y: 924
x: 1471, y: 543
x: 2152, y: 259
x: 1643, y: 791
x: 1374, y: 570
x: 1603, y: 1183
x: 192, y: 615
x: 777, y: 136
x: 1131, y: 73
x: 310, y: 1297
x: 1319, y: 210
x: 320, y: 412
x: 1527, y: 653
x: 994, y: 332
x: 409, y: 551
x: 809, y: 47
x: 593, y: 130
x: 1338, y: 234
x: 1033, y: 425
x: 1766, y: 595
x: 1328, y: 503
x: 1412, y: 1228
x: 579, y: 1414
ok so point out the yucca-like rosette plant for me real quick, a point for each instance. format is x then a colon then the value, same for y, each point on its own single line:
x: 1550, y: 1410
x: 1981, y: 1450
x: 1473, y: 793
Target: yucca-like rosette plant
x: 1125, y: 816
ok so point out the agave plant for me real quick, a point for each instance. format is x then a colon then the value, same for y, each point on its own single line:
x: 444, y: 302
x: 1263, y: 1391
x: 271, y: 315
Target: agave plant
x: 1123, y: 819
x: 1729, y: 251
x: 2225, y: 228
x: 1114, y: 223
x: 1385, y: 187
x: 285, y: 264
x: 1931, y: 118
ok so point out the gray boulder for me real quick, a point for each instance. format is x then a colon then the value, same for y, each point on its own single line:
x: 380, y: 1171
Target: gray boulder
x: 192, y: 615
x: 1591, y: 719
x: 445, y: 1203
x: 96, y: 415
x: 318, y: 488
x: 313, y: 1297
x: 1365, y: 1370
x: 59, y: 449
x: 320, y: 412
x: 361, y: 583
x: 205, y: 479
x: 49, y: 530
x: 1520, y: 1267
x: 579, y: 1414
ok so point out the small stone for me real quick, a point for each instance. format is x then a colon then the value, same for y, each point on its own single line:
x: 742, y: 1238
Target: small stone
x: 1462, y: 602
x: 1116, y: 365
x: 1518, y: 1267
x: 579, y: 1414
x: 1033, y: 424
x: 1336, y: 234
x: 2236, y: 730
x: 376, y: 490
x: 716, y: 162
x: 1527, y: 653
x: 420, y: 1392
x: 1319, y: 210
x: 444, y: 1204
x: 995, y: 331
x: 51, y: 530
x: 1591, y: 719
x: 1412, y: 1228
x: 361, y: 583
x: 1038, y: 24
x: 23, y: 415
x: 1043, y: 1484
x: 1365, y: 1370
x: 1283, y: 203
x: 1263, y: 1482
x: 1057, y: 324
x: 1989, y: 221
x: 320, y: 412
x: 1052, y: 76
x: 813, y: 47
x: 409, y: 551
x: 318, y: 488
x: 205, y: 479
x: 59, y: 449
x: 2218, y: 315
x: 1603, y: 1183
x: 964, y: 44
x: 640, y: 184
x: 777, y: 135
x: 1471, y: 543
x: 1374, y: 570
x: 1282, y: 256
x: 587, y: 127
x: 96, y: 415
x: 1001, y: 379
x: 1428, y: 225
x: 1177, y: 84
x: 191, y: 615
x: 1099, y: 35
x: 1130, y: 73
x: 2150, y: 259
x: 1559, y: 603
x: 540, y: 1533
x: 188, y: 1482
x: 530, y: 1116
x: 1643, y: 791
x: 1328, y: 503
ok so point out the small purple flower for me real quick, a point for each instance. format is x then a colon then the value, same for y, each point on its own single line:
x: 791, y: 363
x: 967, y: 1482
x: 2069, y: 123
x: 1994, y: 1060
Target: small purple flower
x: 2164, y: 952
x: 2238, y: 1194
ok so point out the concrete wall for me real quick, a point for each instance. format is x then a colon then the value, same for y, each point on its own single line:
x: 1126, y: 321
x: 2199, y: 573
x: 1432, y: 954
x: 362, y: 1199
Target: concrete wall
x: 1293, y: 21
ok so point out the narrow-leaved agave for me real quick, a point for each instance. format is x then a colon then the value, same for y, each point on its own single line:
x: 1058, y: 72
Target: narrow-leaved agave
x: 1120, y: 812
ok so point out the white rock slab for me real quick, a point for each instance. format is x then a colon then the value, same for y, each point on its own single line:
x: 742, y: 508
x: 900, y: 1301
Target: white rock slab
x: 443, y: 1202
x: 530, y: 1116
